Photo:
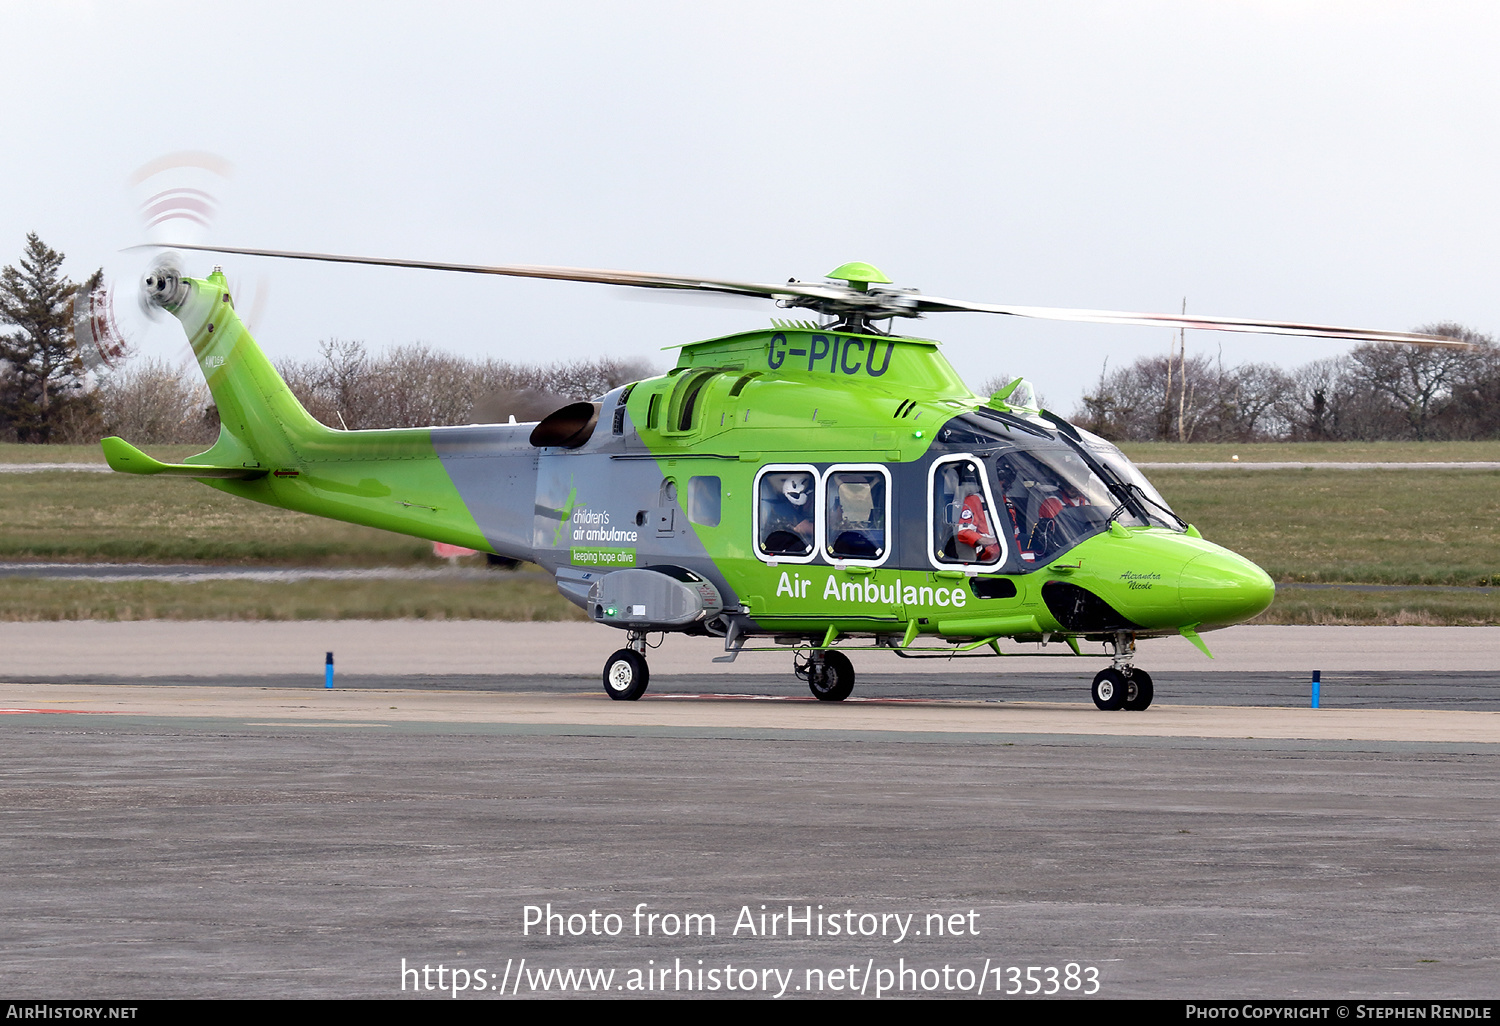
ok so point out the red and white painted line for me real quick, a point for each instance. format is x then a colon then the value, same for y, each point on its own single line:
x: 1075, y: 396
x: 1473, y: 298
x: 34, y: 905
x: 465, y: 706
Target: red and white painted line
x: 22, y: 712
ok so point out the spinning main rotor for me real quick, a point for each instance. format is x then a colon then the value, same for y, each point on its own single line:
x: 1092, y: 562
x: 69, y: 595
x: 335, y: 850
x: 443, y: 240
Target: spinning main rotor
x: 857, y: 294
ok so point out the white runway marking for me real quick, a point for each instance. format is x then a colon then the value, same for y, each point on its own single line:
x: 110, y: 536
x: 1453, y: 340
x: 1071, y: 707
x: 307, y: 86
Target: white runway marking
x: 32, y: 468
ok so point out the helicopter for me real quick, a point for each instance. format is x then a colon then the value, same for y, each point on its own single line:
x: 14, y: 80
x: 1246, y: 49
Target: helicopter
x: 823, y: 484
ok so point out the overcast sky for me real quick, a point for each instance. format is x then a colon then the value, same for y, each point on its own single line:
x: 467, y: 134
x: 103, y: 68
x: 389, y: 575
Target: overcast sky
x: 1331, y: 162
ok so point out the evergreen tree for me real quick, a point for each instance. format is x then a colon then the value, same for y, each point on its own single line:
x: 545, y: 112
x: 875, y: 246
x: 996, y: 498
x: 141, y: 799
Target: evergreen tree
x: 41, y: 378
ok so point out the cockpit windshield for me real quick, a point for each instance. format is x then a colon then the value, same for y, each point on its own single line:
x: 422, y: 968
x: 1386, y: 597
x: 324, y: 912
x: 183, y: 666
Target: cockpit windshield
x: 1148, y: 498
x: 1053, y: 500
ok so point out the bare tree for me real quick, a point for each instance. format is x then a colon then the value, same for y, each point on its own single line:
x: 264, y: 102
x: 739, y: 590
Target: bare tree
x: 1307, y: 407
x: 1185, y: 399
x: 1417, y: 379
x: 1473, y: 410
x: 154, y: 402
x: 585, y: 379
x: 414, y: 385
x: 1248, y: 403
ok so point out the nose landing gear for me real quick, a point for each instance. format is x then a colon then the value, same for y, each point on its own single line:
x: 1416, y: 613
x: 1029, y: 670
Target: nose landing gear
x: 1138, y: 690
x: 1109, y: 690
x: 1123, y: 686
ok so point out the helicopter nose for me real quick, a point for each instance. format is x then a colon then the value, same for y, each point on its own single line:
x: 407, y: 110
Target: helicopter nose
x: 1220, y: 588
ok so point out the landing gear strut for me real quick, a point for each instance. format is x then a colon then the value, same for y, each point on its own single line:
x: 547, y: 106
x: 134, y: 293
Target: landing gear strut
x: 626, y: 673
x: 1123, y: 686
x: 829, y: 675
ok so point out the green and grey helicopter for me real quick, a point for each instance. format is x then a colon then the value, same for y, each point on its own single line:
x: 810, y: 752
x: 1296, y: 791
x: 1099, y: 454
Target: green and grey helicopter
x: 819, y: 484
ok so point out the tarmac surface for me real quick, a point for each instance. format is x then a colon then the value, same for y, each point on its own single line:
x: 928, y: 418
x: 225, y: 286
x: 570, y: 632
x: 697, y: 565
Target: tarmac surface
x: 410, y: 648
x: 188, y: 813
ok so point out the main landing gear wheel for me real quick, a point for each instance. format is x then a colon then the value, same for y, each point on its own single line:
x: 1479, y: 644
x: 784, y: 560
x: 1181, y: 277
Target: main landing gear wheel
x: 1109, y: 690
x: 1138, y: 690
x: 831, y: 678
x: 626, y: 676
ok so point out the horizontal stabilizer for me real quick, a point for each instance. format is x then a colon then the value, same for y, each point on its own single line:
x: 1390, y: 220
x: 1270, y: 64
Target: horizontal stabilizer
x: 127, y: 459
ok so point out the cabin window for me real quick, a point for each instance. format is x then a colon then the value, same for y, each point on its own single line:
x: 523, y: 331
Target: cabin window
x: 856, y: 514
x: 703, y: 501
x: 962, y: 523
x: 786, y: 513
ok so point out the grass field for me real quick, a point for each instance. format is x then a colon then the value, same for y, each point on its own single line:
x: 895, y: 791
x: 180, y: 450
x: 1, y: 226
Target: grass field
x: 508, y: 596
x: 1314, y: 452
x: 12, y: 453
x: 61, y: 515
x: 1374, y: 527
x: 1415, y: 607
x: 1421, y: 527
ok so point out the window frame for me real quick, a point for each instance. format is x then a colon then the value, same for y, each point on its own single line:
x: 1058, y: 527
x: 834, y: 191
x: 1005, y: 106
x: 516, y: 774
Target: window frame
x: 995, y: 511
x: 817, y: 498
x: 890, y: 534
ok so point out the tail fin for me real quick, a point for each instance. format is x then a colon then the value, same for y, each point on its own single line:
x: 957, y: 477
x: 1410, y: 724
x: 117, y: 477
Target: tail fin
x: 261, y: 424
x: 271, y: 450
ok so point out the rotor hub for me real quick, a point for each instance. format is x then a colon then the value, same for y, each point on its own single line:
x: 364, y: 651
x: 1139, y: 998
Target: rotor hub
x: 163, y: 287
x: 854, y: 304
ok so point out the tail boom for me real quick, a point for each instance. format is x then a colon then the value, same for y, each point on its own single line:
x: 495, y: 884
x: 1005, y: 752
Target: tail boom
x: 271, y: 450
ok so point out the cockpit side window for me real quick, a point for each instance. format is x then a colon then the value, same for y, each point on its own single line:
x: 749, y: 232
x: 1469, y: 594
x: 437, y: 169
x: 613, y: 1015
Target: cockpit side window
x: 786, y: 513
x: 856, y: 514
x: 962, y: 526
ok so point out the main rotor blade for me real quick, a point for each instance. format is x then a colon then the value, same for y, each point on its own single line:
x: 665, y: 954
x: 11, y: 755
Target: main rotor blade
x: 931, y: 304
x: 874, y: 304
x: 637, y: 279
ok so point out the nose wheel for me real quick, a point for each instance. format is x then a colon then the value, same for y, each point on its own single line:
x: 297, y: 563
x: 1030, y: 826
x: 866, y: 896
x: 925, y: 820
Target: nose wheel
x: 1123, y: 686
x: 1138, y: 689
x: 1109, y: 690
x: 1128, y: 688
